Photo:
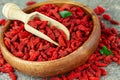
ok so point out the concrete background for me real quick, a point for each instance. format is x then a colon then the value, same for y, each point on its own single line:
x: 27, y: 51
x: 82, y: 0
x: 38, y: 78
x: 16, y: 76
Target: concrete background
x: 112, y: 7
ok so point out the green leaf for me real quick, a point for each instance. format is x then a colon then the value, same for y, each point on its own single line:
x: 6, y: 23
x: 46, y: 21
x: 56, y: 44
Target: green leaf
x: 105, y: 51
x: 65, y: 14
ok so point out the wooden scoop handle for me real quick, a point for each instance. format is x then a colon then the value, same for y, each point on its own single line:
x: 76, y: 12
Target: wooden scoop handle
x: 13, y: 12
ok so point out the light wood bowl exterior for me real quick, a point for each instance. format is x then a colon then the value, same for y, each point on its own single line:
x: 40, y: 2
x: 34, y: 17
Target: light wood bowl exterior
x: 58, y: 66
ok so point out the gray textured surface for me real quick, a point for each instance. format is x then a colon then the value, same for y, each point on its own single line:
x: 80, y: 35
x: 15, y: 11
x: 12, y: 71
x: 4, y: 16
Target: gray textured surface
x: 112, y: 7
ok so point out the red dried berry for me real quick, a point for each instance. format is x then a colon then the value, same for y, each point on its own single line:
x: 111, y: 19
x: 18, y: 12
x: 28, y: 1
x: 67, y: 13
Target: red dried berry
x: 103, y: 72
x: 119, y: 61
x: 54, y: 56
x: 55, y: 78
x: 62, y: 33
x: 33, y: 55
x: 7, y: 42
x: 64, y: 77
x: 6, y: 69
x: 40, y: 58
x: 107, y: 17
x: 30, y: 3
x: 89, y: 74
x: 115, y: 59
x: 92, y: 58
x: 19, y: 54
x: 98, y: 73
x: 44, y: 56
x: 101, y: 57
x: 99, y: 10
x: 61, y: 41
x: 73, y: 75
x: 23, y: 34
x: 2, y: 61
x: 2, y: 22
x: 91, y: 71
x: 56, y: 14
x: 94, y: 67
x: 85, y: 77
x: 100, y: 64
x: 43, y: 25
x: 94, y: 78
x: 12, y: 76
x: 7, y: 65
x: 108, y: 59
x: 114, y: 22
x: 83, y: 67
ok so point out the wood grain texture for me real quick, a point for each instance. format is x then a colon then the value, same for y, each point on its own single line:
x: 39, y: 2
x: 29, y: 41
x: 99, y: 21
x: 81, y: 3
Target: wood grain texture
x: 58, y: 66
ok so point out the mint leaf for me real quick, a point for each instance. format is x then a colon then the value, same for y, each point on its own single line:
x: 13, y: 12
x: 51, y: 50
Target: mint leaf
x: 105, y: 51
x: 65, y: 13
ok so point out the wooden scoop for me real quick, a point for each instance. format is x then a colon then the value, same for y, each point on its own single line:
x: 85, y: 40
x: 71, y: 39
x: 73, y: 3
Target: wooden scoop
x: 13, y: 12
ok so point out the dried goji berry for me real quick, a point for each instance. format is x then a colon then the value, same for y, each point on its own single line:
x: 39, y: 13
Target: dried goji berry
x: 89, y: 74
x: 56, y: 14
x: 92, y: 57
x: 34, y: 56
x: 64, y: 78
x: 114, y: 22
x: 73, y: 75
x: 7, y: 65
x: 108, y: 59
x: 12, y: 76
x: 94, y: 78
x: 6, y: 69
x: 55, y: 78
x: 26, y: 56
x: 98, y: 73
x: 7, y: 42
x: 61, y: 41
x: 103, y: 72
x: 40, y: 58
x: 62, y: 33
x: 85, y: 77
x: 99, y: 10
x: 107, y: 17
x: 2, y: 61
x: 30, y: 3
x: 91, y: 71
x: 83, y: 67
x: 100, y: 64
x: 19, y: 54
x: 2, y: 22
x: 115, y: 59
x: 94, y: 67
x: 23, y: 34
x: 119, y: 61
x: 44, y: 55
x: 54, y: 56
x: 43, y: 25
x: 101, y: 57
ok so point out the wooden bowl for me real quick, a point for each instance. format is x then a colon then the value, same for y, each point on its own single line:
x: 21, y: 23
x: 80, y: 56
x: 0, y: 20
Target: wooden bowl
x: 58, y: 66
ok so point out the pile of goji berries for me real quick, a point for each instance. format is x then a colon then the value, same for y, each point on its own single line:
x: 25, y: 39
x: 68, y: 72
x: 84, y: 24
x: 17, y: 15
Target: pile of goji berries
x: 91, y: 70
x: 30, y: 47
x: 7, y: 68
